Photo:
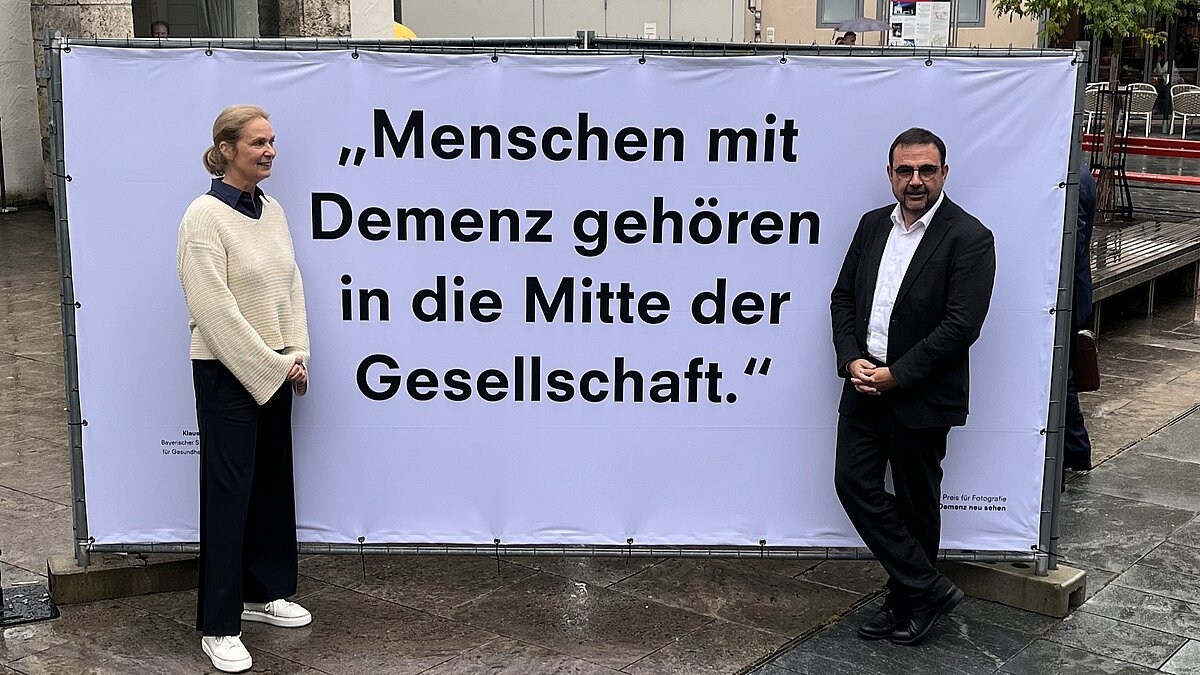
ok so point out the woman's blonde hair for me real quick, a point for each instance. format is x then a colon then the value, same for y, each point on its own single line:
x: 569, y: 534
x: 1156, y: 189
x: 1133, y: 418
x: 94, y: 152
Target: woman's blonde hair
x: 228, y: 129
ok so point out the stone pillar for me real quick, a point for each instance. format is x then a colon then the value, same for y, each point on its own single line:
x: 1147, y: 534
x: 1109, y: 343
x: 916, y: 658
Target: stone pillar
x: 73, y: 18
x: 314, y: 18
x: 18, y: 106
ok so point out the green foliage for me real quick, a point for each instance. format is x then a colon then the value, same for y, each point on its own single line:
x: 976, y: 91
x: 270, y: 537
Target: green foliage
x: 1118, y: 19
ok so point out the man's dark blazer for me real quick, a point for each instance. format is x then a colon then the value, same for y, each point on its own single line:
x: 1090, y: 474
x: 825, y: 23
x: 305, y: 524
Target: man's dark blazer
x: 939, y: 311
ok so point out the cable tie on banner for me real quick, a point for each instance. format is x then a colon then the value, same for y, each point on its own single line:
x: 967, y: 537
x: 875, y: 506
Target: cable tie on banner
x: 1062, y: 184
x: 496, y: 544
x: 495, y: 56
x: 642, y: 58
x: 783, y: 59
x: 1053, y: 311
x: 1042, y: 432
x: 354, y: 54
x: 629, y: 549
x: 929, y: 60
x: 208, y: 51
x: 362, y: 556
x: 762, y: 548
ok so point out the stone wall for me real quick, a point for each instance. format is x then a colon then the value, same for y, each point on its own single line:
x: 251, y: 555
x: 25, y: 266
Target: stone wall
x: 314, y: 18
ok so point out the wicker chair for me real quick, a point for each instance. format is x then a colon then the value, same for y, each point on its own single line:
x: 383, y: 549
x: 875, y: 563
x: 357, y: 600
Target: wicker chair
x: 1185, y: 103
x: 1093, y: 102
x: 1141, y: 104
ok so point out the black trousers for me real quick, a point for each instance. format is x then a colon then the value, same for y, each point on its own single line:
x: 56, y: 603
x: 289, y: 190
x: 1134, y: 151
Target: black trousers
x: 902, y: 530
x: 247, y: 498
x: 1077, y: 446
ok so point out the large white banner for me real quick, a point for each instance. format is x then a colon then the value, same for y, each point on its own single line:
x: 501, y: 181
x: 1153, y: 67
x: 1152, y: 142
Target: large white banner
x: 558, y: 299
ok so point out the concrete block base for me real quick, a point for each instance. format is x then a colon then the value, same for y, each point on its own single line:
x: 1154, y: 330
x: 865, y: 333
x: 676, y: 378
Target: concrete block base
x: 1016, y: 585
x: 119, y: 575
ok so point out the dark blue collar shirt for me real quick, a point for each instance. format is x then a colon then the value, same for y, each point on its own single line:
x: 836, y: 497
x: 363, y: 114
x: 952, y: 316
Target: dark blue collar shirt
x: 246, y: 203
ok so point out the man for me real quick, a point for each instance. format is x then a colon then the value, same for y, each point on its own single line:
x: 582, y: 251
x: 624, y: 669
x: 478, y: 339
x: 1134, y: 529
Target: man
x: 850, y: 39
x: 160, y: 29
x: 909, y: 302
x: 1077, y: 447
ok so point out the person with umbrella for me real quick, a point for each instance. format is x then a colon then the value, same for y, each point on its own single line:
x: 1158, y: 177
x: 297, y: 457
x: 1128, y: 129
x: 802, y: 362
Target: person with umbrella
x: 851, y: 28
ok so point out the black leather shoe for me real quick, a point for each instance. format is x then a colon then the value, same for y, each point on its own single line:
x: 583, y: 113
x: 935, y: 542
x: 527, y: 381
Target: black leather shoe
x: 881, y: 625
x: 923, y: 620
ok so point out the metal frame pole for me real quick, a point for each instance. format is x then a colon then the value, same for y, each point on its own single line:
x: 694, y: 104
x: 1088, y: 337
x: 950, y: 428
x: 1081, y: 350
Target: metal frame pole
x: 52, y: 47
x: 1063, y: 328
x: 588, y: 551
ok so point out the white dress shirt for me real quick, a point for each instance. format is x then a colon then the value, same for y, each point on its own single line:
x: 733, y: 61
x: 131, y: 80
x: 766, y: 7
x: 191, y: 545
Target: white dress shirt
x: 897, y: 254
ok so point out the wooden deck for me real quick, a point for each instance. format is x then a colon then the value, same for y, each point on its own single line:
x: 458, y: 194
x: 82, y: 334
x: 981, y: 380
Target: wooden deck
x: 1126, y: 256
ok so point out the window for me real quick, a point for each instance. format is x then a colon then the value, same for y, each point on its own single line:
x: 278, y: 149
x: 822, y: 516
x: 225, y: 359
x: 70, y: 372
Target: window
x: 832, y: 12
x: 971, y: 13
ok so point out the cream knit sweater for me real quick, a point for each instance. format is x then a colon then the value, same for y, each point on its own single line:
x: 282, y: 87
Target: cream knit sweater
x: 243, y: 292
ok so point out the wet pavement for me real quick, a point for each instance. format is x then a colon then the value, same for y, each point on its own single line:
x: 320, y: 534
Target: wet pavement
x: 1131, y: 522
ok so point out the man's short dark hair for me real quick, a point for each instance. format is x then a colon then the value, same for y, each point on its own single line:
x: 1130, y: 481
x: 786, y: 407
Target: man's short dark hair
x: 162, y: 23
x: 850, y: 33
x: 918, y: 136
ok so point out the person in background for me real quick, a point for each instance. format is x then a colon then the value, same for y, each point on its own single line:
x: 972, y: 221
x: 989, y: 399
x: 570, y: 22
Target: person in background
x: 909, y: 302
x: 249, y: 352
x: 1077, y: 446
x: 840, y: 41
x: 1163, y: 78
x: 850, y: 39
x: 160, y: 29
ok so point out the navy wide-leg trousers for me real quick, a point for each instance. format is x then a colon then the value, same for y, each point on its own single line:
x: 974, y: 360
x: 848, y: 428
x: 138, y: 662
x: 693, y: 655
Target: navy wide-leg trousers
x: 247, y: 498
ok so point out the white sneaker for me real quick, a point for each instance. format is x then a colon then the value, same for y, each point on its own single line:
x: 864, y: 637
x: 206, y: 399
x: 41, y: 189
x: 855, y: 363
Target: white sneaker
x: 277, y: 613
x: 227, y: 653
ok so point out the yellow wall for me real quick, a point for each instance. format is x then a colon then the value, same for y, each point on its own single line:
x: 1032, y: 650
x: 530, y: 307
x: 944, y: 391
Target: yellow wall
x: 1000, y: 31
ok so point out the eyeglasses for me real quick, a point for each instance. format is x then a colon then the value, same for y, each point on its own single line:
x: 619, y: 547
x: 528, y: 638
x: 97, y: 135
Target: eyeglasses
x: 926, y: 171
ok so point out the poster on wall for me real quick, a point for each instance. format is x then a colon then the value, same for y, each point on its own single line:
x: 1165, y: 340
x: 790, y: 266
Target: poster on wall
x: 546, y: 313
x: 920, y: 23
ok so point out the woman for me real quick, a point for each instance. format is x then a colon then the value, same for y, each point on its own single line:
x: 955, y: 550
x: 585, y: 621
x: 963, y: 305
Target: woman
x: 249, y: 354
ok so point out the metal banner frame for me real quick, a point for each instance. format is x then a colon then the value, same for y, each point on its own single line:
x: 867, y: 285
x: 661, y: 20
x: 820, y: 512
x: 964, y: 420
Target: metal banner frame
x: 1044, y: 556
